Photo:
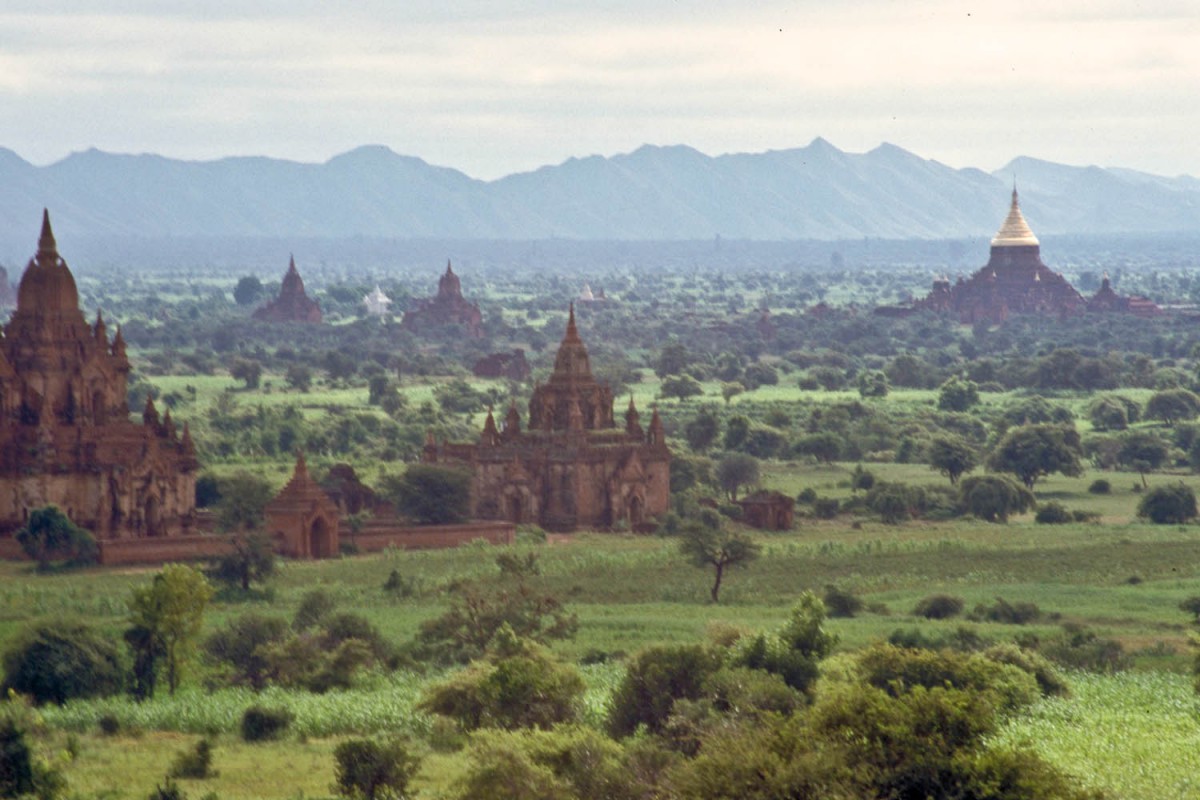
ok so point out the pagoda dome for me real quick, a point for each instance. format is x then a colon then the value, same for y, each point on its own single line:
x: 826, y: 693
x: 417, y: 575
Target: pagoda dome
x: 47, y: 284
x: 1015, y: 232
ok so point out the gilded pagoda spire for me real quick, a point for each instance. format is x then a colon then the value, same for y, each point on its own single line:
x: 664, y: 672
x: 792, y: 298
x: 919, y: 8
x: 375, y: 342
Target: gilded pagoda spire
x: 1015, y: 232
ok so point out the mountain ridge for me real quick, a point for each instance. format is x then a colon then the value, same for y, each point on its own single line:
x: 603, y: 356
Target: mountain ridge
x: 655, y: 192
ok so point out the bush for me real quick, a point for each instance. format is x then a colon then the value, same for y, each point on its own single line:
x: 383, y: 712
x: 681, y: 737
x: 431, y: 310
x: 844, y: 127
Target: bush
x: 654, y: 680
x: 826, y: 507
x: 373, y: 770
x: 939, y: 606
x: 430, y: 494
x: 1052, y: 514
x: 16, y: 761
x: 109, y: 724
x: 1165, y: 505
x: 169, y: 790
x: 1080, y: 648
x: 840, y: 603
x: 50, y: 536
x: 1100, y: 486
x: 1007, y: 613
x: 194, y: 763
x: 57, y: 662
x: 261, y: 724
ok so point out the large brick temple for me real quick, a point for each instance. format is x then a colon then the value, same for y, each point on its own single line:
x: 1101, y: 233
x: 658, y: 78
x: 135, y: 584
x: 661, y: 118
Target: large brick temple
x: 293, y: 304
x: 573, y: 467
x: 65, y: 434
x: 1014, y: 281
x: 447, y: 307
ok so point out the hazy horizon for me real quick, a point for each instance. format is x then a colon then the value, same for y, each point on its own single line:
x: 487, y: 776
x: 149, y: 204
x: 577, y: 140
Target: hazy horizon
x: 495, y: 88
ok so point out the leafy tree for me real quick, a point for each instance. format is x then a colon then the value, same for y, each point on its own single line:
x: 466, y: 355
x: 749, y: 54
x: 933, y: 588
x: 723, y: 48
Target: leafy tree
x: 672, y: 360
x: 824, y: 447
x: 873, y: 384
x: 252, y: 559
x: 247, y: 370
x: 240, y: 647
x: 1113, y: 412
x: 736, y: 470
x: 299, y: 377
x: 165, y: 617
x: 795, y: 650
x: 365, y: 769
x: 1163, y: 505
x: 737, y: 430
x: 654, y: 680
x: 244, y: 495
x: 757, y: 375
x: 680, y: 387
x: 519, y: 685
x: 1143, y: 452
x: 1173, y: 405
x: 479, y: 609
x: 993, y: 497
x: 958, y: 394
x: 247, y: 291
x: 50, y: 536
x: 1033, y: 451
x: 430, y: 494
x: 457, y: 397
x: 60, y: 661
x: 730, y: 390
x: 702, y: 431
x: 716, y: 547
x: 952, y: 457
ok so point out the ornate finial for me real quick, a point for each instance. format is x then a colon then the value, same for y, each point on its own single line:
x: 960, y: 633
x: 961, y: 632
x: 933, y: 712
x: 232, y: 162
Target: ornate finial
x: 118, y: 345
x: 150, y: 413
x: 185, y: 443
x: 449, y: 269
x: 291, y: 262
x: 46, y: 243
x: 572, y: 333
x: 301, y: 465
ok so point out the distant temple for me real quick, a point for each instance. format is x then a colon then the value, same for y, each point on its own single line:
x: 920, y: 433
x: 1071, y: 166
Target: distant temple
x: 448, y: 307
x: 65, y: 434
x: 376, y: 302
x: 513, y: 366
x: 573, y: 467
x: 1106, y: 300
x: 292, y: 304
x: 1015, y: 281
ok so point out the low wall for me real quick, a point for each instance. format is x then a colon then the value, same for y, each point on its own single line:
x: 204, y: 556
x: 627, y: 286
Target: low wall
x: 377, y: 535
x: 162, y: 551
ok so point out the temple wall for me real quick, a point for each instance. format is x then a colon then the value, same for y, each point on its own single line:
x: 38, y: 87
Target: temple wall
x: 377, y: 535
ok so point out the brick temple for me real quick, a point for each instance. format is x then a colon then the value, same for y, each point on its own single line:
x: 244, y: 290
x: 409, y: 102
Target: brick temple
x: 573, y: 467
x: 292, y: 304
x: 447, y: 307
x: 65, y: 434
x: 1014, y: 281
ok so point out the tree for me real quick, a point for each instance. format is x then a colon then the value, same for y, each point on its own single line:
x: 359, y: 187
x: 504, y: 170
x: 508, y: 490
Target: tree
x: 372, y: 770
x: 430, y: 494
x: 716, y: 547
x: 736, y: 470
x: 1173, y: 405
x: 730, y: 390
x: 993, y: 497
x: 165, y: 617
x: 680, y: 387
x: 251, y: 559
x: 50, y: 536
x: 951, y: 456
x: 60, y: 661
x: 702, y: 431
x: 673, y: 360
x: 247, y: 370
x: 1113, y: 412
x: 794, y: 651
x: 244, y: 495
x: 299, y: 377
x: 247, y: 291
x: 1143, y: 452
x: 654, y: 680
x: 1166, y: 505
x: 824, y: 447
x: 873, y: 383
x: 1033, y: 451
x: 241, y: 647
x: 958, y: 394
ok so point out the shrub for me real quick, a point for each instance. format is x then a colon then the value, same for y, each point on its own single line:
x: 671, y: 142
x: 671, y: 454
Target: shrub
x: 50, y: 536
x: 794, y: 651
x: 315, y: 606
x: 840, y: 603
x: 654, y: 680
x: 16, y: 761
x: 1080, y: 648
x: 1049, y: 681
x: 56, y: 662
x: 1100, y: 486
x: 430, y: 494
x: 807, y: 496
x: 109, y: 724
x: 939, y: 606
x: 1052, y: 514
x: 240, y: 647
x: 1007, y: 613
x: 826, y: 507
x: 261, y: 724
x: 1165, y: 505
x: 194, y: 763
x: 169, y: 790
x: 373, y: 770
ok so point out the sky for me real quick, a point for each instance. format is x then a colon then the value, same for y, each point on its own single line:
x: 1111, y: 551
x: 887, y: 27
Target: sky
x: 492, y: 87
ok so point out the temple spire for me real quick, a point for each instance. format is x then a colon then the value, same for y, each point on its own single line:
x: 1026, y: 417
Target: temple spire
x: 572, y: 334
x: 1015, y: 231
x: 46, y: 243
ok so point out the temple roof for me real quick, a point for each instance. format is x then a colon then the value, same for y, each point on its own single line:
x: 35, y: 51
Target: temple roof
x: 47, y: 284
x: 1015, y: 231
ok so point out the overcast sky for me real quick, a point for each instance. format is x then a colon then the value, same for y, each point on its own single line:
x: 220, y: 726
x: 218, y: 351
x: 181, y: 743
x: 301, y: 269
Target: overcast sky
x: 498, y: 86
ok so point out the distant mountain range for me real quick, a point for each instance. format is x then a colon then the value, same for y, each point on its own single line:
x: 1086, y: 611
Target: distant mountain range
x: 653, y: 193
